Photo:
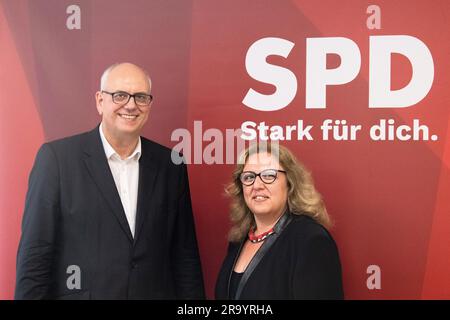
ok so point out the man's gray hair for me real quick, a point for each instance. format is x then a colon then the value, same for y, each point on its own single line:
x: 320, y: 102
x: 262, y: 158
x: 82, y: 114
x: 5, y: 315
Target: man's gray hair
x: 105, y: 75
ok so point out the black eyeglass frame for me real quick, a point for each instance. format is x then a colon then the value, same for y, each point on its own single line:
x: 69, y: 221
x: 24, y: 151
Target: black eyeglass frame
x: 129, y: 97
x: 259, y: 175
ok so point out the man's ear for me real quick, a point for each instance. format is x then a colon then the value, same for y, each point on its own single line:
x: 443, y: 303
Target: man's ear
x: 99, y: 102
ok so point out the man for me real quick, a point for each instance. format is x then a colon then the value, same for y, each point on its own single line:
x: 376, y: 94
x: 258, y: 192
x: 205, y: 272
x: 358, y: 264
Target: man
x: 107, y: 213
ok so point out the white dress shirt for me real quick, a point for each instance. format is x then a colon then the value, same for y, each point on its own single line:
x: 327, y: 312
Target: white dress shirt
x: 126, y: 176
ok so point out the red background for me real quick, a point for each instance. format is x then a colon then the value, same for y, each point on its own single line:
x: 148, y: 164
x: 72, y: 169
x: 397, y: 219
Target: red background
x: 389, y: 200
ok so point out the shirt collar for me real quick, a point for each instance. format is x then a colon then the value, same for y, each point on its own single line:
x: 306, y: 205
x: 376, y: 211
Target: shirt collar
x: 110, y: 152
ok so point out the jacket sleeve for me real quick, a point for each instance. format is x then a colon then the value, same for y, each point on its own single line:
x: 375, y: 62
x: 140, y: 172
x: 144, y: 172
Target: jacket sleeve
x: 318, y: 270
x: 187, y: 267
x: 36, y: 248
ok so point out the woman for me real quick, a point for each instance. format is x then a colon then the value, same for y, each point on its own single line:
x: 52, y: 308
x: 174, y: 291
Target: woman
x: 279, y: 247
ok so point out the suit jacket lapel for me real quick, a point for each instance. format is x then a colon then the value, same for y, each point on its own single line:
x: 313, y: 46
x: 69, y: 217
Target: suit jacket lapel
x: 97, y: 165
x: 147, y: 179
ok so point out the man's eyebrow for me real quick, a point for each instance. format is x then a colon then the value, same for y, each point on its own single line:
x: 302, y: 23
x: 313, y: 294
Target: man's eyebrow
x: 123, y: 91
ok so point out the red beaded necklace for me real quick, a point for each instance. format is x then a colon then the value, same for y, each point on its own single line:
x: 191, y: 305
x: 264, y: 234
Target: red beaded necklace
x: 263, y: 236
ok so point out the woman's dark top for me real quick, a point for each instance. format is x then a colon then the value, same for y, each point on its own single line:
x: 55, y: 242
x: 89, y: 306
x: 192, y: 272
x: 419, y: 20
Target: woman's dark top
x: 234, y: 282
x: 300, y: 262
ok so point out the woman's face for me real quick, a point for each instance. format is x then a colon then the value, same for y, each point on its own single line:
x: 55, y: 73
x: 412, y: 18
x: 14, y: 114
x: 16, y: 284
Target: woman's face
x: 265, y: 200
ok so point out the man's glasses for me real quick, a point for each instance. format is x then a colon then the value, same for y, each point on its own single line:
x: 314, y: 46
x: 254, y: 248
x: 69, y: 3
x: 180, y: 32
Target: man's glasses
x: 267, y: 176
x: 122, y: 97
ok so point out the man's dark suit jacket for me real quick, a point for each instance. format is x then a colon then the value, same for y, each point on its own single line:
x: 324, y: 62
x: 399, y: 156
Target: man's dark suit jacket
x: 74, y: 217
x: 301, y: 263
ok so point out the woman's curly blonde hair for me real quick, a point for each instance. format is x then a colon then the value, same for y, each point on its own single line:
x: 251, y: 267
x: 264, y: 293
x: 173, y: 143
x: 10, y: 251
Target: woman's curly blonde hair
x: 303, y: 197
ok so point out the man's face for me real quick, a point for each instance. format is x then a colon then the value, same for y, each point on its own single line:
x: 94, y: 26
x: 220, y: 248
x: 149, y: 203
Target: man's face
x: 123, y: 120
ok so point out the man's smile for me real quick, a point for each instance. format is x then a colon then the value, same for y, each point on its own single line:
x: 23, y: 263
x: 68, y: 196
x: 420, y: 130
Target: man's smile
x: 128, y: 116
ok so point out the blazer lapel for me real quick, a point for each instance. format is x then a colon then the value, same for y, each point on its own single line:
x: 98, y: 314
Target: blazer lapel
x: 97, y: 165
x: 147, y: 179
x: 233, y: 264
